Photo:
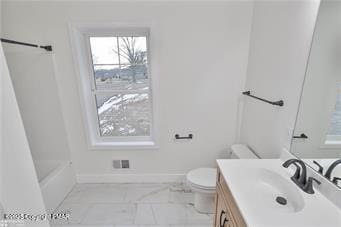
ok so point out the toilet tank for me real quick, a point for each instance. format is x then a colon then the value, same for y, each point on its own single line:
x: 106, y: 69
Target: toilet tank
x: 241, y: 151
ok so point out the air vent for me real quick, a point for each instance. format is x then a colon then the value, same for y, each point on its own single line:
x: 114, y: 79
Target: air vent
x: 116, y: 164
x: 125, y: 164
x: 121, y: 164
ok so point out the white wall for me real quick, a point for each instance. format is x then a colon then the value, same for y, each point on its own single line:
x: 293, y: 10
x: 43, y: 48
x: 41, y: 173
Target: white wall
x: 34, y: 80
x: 321, y: 86
x: 279, y: 48
x: 20, y: 191
x: 1, y: 158
x: 199, y: 57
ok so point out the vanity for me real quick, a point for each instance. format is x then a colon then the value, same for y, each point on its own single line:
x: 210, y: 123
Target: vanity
x: 226, y: 209
x: 262, y: 193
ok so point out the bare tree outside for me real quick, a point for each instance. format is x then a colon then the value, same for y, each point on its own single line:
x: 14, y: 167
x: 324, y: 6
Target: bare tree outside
x: 131, y: 52
x: 120, y: 62
x: 122, y: 85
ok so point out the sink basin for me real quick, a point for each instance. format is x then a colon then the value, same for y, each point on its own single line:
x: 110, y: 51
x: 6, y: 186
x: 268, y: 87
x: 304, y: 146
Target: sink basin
x: 256, y: 183
x: 267, y: 185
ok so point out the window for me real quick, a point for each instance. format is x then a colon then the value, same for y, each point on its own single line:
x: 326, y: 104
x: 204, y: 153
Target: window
x: 334, y: 132
x: 117, y: 87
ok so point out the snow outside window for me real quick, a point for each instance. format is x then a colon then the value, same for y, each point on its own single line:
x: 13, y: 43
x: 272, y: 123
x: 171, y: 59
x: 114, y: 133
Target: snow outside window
x: 121, y: 85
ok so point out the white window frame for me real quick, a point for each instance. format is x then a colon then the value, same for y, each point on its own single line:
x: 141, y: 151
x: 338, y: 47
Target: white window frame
x: 80, y: 39
x: 332, y: 141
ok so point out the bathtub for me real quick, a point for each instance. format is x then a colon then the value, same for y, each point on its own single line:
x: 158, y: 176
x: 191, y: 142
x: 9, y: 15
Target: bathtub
x: 56, y: 179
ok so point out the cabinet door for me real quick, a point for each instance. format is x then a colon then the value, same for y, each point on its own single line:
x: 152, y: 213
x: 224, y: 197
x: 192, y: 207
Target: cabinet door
x: 230, y: 202
x: 223, y: 217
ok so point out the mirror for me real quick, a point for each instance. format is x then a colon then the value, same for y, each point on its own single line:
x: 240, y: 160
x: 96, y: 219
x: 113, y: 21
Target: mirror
x: 317, y: 134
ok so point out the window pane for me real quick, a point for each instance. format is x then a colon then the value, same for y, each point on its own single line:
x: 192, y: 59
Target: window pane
x: 123, y: 114
x: 104, y: 50
x: 335, y: 124
x: 133, y: 50
x: 129, y: 77
x: 105, y: 75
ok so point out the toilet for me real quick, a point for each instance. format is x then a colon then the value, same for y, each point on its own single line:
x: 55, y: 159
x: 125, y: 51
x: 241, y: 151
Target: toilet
x: 202, y: 181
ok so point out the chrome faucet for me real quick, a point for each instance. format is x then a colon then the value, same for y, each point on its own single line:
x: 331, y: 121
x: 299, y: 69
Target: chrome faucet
x: 331, y: 168
x: 300, y: 176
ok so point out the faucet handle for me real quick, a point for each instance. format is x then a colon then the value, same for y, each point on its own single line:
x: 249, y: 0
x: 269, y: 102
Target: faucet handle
x: 308, y: 188
x: 336, y: 179
x: 297, y: 172
x: 320, y: 168
x: 301, y: 171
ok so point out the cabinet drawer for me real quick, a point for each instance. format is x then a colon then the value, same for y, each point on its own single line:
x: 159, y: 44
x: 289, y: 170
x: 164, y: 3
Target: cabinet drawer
x: 235, y: 213
x: 223, y: 216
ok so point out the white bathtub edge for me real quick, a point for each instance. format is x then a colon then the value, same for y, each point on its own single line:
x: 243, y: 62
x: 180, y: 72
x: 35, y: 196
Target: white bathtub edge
x: 57, y: 185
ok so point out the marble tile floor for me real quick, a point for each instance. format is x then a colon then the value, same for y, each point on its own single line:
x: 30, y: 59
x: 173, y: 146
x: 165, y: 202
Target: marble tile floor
x: 131, y: 205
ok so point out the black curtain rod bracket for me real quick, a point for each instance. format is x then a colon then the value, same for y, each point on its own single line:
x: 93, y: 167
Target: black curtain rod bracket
x: 47, y: 48
x: 275, y: 103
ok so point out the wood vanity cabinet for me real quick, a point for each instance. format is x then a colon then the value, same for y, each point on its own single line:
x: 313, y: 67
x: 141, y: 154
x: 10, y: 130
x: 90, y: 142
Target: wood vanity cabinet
x: 227, y: 213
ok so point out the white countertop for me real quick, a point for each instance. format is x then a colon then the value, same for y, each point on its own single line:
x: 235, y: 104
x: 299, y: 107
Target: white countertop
x: 259, y: 211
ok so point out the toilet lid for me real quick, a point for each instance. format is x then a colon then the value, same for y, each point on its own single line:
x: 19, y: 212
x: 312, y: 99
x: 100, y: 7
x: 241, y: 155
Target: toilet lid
x: 203, y: 177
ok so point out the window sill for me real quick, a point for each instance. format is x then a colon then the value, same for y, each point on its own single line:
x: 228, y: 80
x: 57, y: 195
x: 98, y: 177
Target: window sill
x: 329, y: 144
x: 137, y: 145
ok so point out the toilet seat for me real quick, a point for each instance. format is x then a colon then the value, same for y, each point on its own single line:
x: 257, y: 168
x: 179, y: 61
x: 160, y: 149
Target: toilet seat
x: 202, y: 178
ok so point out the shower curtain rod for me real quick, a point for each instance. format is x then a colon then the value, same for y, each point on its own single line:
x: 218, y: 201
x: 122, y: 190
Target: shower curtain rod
x: 47, y: 48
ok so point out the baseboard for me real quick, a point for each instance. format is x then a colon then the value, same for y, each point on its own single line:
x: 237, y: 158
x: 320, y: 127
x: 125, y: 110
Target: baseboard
x: 130, y: 178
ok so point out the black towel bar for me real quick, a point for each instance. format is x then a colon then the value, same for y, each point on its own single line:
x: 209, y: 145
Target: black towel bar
x: 189, y: 137
x: 302, y: 136
x: 275, y: 103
